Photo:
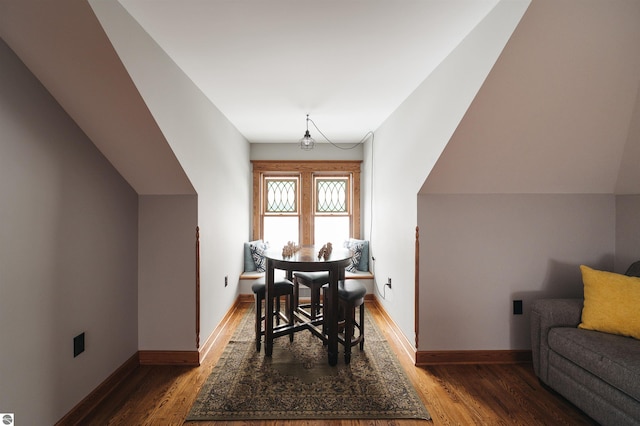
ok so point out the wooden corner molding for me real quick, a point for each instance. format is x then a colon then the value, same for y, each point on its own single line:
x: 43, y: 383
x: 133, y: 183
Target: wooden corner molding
x: 197, y: 287
x: 91, y: 401
x: 424, y: 358
x: 217, y: 332
x: 416, y: 290
x: 169, y: 358
x: 402, y: 340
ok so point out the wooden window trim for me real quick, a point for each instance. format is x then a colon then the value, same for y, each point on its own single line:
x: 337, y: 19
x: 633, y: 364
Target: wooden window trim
x: 306, y: 170
x: 295, y: 178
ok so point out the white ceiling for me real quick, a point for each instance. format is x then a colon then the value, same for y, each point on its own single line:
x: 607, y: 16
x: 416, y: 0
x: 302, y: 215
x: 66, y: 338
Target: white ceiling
x: 266, y: 64
x: 537, y: 103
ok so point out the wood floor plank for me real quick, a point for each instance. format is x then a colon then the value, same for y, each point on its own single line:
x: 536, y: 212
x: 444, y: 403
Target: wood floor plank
x: 453, y: 394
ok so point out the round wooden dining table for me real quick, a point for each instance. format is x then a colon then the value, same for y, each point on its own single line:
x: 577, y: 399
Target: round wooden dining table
x: 306, y: 260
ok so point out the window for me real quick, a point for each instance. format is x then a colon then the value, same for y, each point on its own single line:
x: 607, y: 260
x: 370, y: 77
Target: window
x: 306, y: 202
x: 281, y: 216
x: 331, y: 216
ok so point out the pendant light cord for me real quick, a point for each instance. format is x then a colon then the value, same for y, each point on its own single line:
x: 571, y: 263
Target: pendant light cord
x: 368, y: 135
x: 364, y: 138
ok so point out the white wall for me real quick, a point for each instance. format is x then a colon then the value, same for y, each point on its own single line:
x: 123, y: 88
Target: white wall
x: 68, y: 257
x: 212, y: 153
x: 166, y: 272
x: 408, y: 144
x: 321, y: 152
x: 481, y: 252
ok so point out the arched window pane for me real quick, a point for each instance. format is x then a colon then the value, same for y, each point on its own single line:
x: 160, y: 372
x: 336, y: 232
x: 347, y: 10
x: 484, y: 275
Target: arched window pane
x: 331, y: 195
x: 281, y: 196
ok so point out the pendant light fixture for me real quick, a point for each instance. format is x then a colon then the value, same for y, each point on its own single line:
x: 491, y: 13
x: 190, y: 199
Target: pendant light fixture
x: 307, y: 141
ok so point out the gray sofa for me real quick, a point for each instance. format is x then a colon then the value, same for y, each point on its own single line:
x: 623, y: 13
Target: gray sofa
x: 597, y: 372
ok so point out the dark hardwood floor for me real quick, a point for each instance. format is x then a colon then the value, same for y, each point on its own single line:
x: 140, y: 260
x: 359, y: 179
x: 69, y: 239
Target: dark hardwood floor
x: 453, y: 394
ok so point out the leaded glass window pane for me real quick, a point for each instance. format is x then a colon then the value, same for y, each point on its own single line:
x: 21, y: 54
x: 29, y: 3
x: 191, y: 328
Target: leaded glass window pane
x: 281, y: 196
x: 331, y: 195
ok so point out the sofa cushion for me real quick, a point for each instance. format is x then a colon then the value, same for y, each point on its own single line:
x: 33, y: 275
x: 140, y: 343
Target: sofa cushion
x: 604, y: 403
x: 611, y: 302
x: 615, y: 359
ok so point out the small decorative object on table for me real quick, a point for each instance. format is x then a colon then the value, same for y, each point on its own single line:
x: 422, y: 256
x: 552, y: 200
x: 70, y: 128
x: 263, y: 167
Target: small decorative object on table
x: 290, y: 249
x: 325, y: 251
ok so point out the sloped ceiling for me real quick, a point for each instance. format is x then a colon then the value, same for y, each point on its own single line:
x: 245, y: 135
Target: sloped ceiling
x: 266, y: 64
x: 64, y: 46
x: 559, y: 113
x: 263, y: 64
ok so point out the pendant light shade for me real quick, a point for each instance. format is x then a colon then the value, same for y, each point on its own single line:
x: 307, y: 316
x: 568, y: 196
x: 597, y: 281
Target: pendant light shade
x: 307, y: 142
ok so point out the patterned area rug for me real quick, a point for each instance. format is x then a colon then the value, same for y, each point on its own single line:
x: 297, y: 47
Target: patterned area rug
x: 297, y: 382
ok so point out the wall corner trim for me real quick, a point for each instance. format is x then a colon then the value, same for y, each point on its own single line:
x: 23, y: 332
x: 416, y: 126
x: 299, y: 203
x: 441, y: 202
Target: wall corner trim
x: 424, y: 358
x: 191, y: 358
x: 91, y: 401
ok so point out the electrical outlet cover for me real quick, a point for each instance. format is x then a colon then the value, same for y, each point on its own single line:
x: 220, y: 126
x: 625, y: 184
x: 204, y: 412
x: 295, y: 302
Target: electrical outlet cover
x: 517, y: 307
x: 78, y: 344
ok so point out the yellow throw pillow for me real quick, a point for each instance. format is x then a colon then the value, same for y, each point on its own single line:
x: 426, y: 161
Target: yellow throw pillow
x: 611, y: 302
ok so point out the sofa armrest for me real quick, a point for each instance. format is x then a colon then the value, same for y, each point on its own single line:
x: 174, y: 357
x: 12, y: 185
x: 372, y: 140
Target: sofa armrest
x: 546, y: 314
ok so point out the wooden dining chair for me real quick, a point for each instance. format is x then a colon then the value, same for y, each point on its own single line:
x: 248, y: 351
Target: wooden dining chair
x: 283, y: 288
x: 350, y: 296
x: 315, y: 281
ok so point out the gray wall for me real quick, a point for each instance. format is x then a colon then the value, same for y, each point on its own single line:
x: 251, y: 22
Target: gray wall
x: 215, y: 158
x: 409, y: 143
x: 547, y: 148
x: 627, y: 231
x: 166, y: 272
x: 481, y: 252
x: 68, y: 255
